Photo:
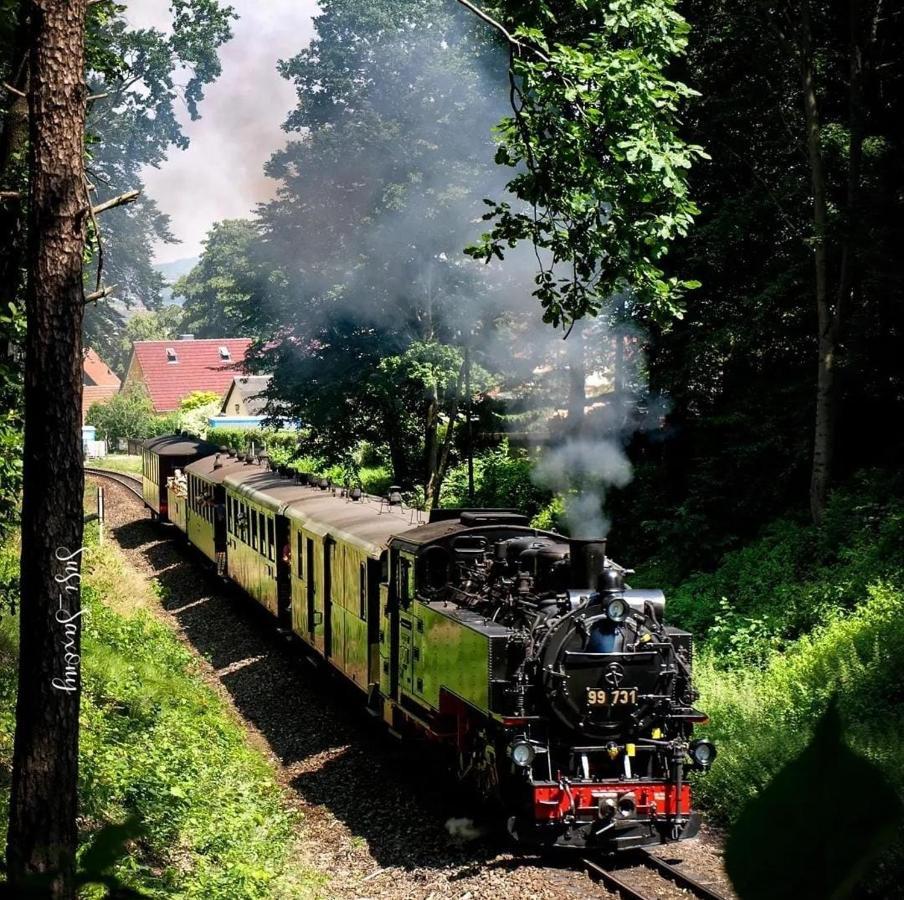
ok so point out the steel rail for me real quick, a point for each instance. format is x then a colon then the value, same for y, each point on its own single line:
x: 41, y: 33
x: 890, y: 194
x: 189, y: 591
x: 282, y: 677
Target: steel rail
x: 618, y: 885
x: 682, y: 879
x: 129, y: 482
x: 611, y: 882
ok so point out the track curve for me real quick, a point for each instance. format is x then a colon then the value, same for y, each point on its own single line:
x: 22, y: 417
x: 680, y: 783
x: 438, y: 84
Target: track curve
x: 130, y: 482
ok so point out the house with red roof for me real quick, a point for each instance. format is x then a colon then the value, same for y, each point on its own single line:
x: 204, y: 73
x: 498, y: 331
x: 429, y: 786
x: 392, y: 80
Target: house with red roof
x: 171, y: 370
x: 99, y: 382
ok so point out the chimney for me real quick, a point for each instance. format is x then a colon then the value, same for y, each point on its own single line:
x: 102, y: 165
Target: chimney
x: 186, y: 337
x: 588, y: 559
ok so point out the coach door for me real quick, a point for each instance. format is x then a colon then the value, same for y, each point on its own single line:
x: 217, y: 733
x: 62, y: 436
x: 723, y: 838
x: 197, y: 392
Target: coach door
x: 310, y: 587
x: 283, y: 572
x: 329, y: 555
x: 389, y: 668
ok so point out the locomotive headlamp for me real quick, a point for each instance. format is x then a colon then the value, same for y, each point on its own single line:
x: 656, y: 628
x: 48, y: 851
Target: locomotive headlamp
x: 521, y: 753
x: 703, y: 752
x: 617, y: 609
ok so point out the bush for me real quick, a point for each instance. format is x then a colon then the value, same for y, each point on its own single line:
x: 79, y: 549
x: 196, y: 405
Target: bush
x: 783, y: 624
x: 124, y: 415
x: 280, y: 445
x: 158, y: 743
x: 766, y: 595
x: 197, y: 399
x: 760, y: 719
x: 502, y: 478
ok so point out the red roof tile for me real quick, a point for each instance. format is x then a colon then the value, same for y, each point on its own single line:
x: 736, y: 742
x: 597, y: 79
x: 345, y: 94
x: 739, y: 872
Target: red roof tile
x: 198, y: 366
x: 96, y: 371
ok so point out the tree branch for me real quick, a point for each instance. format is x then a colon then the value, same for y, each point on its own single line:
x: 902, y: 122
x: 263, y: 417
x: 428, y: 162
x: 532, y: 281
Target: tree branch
x: 10, y: 195
x: 99, y: 295
x: 13, y: 90
x: 121, y: 200
x: 503, y: 30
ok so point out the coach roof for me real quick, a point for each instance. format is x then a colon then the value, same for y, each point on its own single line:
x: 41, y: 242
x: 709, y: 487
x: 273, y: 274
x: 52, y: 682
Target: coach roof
x: 215, y: 468
x: 179, y: 445
x: 368, y: 523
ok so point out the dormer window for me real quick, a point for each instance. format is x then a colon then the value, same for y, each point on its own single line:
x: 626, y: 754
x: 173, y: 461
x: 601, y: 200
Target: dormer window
x: 224, y: 353
x: 171, y: 355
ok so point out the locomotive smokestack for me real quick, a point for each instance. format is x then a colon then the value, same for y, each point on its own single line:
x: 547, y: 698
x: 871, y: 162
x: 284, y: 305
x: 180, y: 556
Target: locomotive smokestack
x: 588, y: 559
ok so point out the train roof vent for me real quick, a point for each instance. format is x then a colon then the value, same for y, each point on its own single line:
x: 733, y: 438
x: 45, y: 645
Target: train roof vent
x: 473, y: 518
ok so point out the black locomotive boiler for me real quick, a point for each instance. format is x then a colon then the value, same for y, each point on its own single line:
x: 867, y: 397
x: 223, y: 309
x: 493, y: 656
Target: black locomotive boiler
x: 560, y: 694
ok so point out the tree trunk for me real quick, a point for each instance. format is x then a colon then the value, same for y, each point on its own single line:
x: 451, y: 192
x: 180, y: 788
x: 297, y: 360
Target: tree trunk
x: 431, y: 442
x: 577, y: 381
x: 823, y: 438
x: 831, y: 319
x: 438, y: 475
x: 42, y: 828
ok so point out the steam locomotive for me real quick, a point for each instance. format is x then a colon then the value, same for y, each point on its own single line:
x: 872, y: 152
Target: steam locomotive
x: 560, y: 694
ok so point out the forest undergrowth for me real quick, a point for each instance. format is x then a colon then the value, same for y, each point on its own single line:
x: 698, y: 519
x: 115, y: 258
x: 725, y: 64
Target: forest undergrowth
x: 789, y: 621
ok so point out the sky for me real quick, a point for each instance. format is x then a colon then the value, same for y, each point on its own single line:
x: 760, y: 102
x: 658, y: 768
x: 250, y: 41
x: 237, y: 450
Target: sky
x: 221, y: 174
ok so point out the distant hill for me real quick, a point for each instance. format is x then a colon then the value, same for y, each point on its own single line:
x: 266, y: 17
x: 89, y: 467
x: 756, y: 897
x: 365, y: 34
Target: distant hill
x: 172, y: 271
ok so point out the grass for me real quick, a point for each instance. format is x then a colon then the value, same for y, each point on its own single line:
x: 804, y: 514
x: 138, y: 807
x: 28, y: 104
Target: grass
x: 787, y: 622
x: 158, y: 743
x: 119, y: 462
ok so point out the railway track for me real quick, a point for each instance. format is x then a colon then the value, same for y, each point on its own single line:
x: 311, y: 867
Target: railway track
x: 129, y: 482
x: 624, y: 887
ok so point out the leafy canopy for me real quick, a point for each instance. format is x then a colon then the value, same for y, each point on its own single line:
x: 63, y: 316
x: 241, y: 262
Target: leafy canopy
x: 601, y: 172
x: 220, y: 288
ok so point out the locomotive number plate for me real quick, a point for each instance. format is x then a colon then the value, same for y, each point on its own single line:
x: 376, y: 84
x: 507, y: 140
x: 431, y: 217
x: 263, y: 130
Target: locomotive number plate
x: 614, y: 697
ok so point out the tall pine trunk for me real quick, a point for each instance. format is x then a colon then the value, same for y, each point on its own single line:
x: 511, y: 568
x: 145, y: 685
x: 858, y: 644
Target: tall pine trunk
x: 42, y: 826
x: 577, y: 381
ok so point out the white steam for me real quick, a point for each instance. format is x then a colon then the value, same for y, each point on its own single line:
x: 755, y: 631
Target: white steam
x: 583, y: 469
x: 591, y: 391
x: 463, y: 829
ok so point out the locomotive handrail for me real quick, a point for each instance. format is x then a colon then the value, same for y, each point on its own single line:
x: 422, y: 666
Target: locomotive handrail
x: 592, y: 657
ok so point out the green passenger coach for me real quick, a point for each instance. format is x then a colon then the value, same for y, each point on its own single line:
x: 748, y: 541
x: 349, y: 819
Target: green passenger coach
x: 205, y: 491
x: 160, y: 457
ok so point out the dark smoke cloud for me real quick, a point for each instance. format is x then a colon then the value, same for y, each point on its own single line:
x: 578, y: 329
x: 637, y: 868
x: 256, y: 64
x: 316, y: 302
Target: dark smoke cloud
x: 221, y: 174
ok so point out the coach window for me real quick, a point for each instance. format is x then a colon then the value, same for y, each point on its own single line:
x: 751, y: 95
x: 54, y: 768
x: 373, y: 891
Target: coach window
x: 299, y: 554
x: 405, y: 577
x: 271, y: 537
x: 254, y: 528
